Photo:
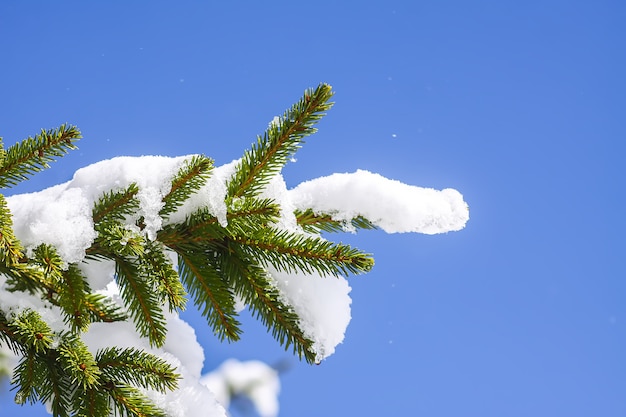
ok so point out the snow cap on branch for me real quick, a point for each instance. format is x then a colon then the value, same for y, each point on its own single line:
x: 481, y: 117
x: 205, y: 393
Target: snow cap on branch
x: 321, y: 303
x: 391, y: 205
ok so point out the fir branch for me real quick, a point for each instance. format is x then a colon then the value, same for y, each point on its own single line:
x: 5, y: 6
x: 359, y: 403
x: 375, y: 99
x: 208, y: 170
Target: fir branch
x: 22, y: 276
x: 136, y: 367
x: 103, y: 309
x: 40, y: 378
x: 92, y: 402
x: 280, y: 141
x: 255, y: 212
x: 56, y: 388
x: 201, y: 226
x: 66, y: 283
x: 33, y: 154
x: 49, y: 262
x: 32, y: 331
x: 115, y: 206
x: 130, y: 402
x: 9, y: 337
x: 27, y: 375
x: 216, y: 264
x: 115, y: 240
x: 141, y: 300
x: 10, y: 248
x: 2, y: 151
x: 78, y: 363
x: 210, y: 293
x: 68, y: 289
x: 159, y: 267
x: 189, y: 179
x: 254, y: 285
x: 316, y: 223
x: 295, y: 252
x: 74, y: 290
x: 136, y: 278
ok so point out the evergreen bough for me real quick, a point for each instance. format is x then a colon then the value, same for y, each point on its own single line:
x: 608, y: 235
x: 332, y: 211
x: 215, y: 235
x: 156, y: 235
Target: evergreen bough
x: 216, y: 265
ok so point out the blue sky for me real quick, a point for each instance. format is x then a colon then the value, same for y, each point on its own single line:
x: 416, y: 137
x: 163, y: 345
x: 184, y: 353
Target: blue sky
x: 518, y: 105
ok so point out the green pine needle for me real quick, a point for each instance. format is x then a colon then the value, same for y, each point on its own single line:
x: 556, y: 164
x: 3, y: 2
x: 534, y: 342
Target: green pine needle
x: 92, y: 402
x: 136, y: 367
x: 294, y: 252
x: 32, y: 155
x: 78, y: 363
x: 10, y: 248
x: 103, y: 309
x: 130, y: 402
x: 32, y: 331
x: 115, y: 206
x: 8, y: 337
x: 115, y: 240
x: 210, y: 293
x: 280, y: 141
x: 142, y: 301
x: 253, y: 284
x: 189, y: 179
x: 159, y: 268
x: 316, y: 223
x: 27, y: 375
x: 73, y: 291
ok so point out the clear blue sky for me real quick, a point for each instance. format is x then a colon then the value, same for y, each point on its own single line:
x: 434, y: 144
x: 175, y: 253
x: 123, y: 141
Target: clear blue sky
x: 519, y: 105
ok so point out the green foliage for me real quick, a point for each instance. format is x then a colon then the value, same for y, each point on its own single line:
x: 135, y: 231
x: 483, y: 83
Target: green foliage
x: 187, y: 181
x: 210, y: 292
x: 280, y: 141
x: 216, y: 265
x: 66, y: 374
x: 316, y: 223
x: 135, y: 367
x: 33, y: 154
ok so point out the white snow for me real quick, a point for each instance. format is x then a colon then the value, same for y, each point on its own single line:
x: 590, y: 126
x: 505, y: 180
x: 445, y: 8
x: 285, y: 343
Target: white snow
x: 99, y: 273
x: 58, y: 216
x: 210, y: 196
x: 393, y: 206
x: 321, y: 303
x: 14, y: 303
x: 276, y: 189
x: 254, y: 379
x: 61, y: 216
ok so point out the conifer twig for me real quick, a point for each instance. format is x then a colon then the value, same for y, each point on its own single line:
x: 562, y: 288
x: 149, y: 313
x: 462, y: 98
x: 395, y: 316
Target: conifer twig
x: 33, y: 154
x: 315, y: 223
x: 280, y: 141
